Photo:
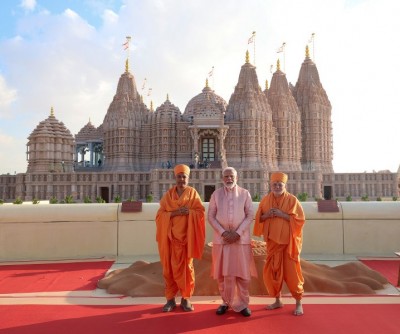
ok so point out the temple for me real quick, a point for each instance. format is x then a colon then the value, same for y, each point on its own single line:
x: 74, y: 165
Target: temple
x: 131, y: 154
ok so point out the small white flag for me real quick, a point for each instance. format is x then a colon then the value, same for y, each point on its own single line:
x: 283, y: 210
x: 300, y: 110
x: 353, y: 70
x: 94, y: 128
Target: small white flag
x: 281, y: 49
x: 210, y: 74
x: 251, y: 39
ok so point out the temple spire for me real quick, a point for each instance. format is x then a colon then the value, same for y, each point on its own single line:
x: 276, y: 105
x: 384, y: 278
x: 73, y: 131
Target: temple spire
x: 207, y: 83
x: 247, y: 57
x: 52, y: 111
x: 266, y: 84
x: 151, y: 105
x: 307, y: 52
x: 278, y: 65
x: 127, y: 65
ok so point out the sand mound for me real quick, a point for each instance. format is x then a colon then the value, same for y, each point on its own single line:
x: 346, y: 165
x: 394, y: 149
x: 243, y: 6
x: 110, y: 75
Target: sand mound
x: 143, y: 279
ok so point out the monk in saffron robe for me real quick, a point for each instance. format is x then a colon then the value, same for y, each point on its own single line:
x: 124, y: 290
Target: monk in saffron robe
x: 180, y: 223
x: 230, y: 214
x: 280, y: 219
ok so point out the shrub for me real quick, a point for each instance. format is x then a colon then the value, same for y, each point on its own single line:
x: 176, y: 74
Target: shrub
x: 394, y: 198
x: 68, y: 199
x: 379, y: 199
x: 1, y: 201
x: 256, y: 198
x: 365, y: 198
x: 149, y: 198
x: 18, y: 200
x: 35, y: 201
x: 53, y: 200
x: 302, y: 197
x: 87, y: 199
x: 349, y: 198
x: 117, y: 199
x: 99, y: 199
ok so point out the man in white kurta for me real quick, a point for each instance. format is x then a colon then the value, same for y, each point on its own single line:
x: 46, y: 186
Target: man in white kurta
x: 230, y: 213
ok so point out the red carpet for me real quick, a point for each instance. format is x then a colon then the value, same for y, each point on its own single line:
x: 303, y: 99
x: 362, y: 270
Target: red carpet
x: 387, y: 268
x: 52, y: 276
x: 327, y: 319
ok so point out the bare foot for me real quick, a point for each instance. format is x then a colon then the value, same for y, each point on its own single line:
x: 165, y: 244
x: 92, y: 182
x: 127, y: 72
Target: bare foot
x: 299, y: 309
x: 277, y: 304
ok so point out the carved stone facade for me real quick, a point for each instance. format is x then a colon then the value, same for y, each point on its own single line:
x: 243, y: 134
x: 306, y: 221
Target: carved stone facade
x: 131, y: 154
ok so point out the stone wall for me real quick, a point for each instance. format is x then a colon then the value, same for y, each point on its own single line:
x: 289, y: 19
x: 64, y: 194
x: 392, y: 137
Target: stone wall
x: 77, y: 231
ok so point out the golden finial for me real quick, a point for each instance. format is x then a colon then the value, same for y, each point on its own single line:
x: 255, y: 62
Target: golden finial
x: 151, y: 105
x: 307, y: 52
x: 247, y: 57
x: 266, y: 84
x: 52, y: 111
x: 278, y: 65
x: 207, y: 83
x: 127, y: 65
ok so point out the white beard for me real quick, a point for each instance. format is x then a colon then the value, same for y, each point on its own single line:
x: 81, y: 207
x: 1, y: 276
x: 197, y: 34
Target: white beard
x: 230, y: 186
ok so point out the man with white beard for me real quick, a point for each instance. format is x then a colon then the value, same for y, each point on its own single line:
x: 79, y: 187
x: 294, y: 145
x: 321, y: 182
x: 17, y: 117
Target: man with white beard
x: 230, y: 214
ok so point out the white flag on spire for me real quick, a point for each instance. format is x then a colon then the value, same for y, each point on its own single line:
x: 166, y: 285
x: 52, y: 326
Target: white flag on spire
x: 126, y: 44
x: 210, y: 74
x: 282, y: 48
x: 311, y: 38
x: 144, y: 83
x: 251, y: 39
x: 149, y: 91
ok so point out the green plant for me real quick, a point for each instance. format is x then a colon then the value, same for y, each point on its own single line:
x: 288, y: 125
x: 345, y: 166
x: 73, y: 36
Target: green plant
x: 149, y: 198
x: 302, y: 197
x: 365, y: 198
x: 256, y: 198
x: 35, y: 201
x: 87, y: 199
x: 394, y: 198
x: 117, y: 199
x: 99, y: 199
x: 349, y: 198
x: 1, y: 201
x: 69, y: 199
x: 131, y: 199
x: 53, y: 200
x: 18, y: 200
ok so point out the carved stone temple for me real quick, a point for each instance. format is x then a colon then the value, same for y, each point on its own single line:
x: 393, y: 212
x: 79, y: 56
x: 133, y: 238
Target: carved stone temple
x: 132, y: 153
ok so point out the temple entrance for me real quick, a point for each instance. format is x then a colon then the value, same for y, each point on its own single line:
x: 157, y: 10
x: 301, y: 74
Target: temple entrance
x: 208, y: 190
x: 327, y: 192
x: 105, y: 194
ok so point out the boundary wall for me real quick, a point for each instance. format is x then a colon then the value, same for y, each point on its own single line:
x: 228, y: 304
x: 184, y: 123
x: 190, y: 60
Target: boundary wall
x: 80, y: 231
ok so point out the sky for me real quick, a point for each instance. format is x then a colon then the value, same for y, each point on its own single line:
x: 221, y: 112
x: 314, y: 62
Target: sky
x: 69, y: 55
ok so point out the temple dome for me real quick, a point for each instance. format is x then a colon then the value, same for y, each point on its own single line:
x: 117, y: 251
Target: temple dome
x: 51, y: 128
x: 205, y: 105
x: 50, y: 147
x: 167, y: 110
x: 88, y: 132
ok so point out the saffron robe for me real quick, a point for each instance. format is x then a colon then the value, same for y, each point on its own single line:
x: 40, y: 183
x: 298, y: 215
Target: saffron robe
x: 180, y: 239
x: 284, y: 242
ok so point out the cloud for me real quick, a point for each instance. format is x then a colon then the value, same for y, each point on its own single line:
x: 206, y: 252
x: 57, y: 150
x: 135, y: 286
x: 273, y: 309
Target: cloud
x: 11, y: 161
x: 28, y: 5
x: 7, y: 96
